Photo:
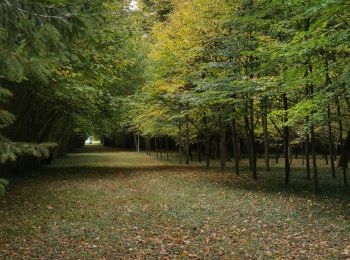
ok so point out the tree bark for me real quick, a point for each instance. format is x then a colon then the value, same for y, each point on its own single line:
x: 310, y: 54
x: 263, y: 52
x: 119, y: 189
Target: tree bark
x: 346, y: 148
x: 313, y: 148
x: 222, y: 143
x: 138, y: 142
x: 251, y: 137
x: 207, y: 151
x: 167, y: 147
x: 160, y: 148
x: 135, y: 141
x: 330, y: 138
x: 235, y: 145
x: 307, y: 141
x: 146, y: 144
x: 215, y: 149
x: 156, y: 146
x: 314, y: 160
x: 180, y: 143
x: 286, y: 141
x: 266, y: 137
x: 253, y: 141
x: 343, y: 160
x: 199, y: 148
x: 307, y: 157
x: 248, y: 143
x: 290, y: 155
x: 187, y: 143
x: 302, y: 154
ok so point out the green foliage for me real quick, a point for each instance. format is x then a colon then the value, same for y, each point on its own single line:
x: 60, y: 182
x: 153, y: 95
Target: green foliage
x: 8, y: 151
x: 3, y: 184
x: 103, y: 68
x: 67, y: 63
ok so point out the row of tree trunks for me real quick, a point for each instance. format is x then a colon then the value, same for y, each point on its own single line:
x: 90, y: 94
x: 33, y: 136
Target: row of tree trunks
x: 157, y: 146
x: 309, y: 144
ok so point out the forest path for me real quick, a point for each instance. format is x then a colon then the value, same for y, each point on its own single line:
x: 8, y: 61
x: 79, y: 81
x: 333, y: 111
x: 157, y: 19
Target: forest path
x: 106, y: 203
x: 99, y: 156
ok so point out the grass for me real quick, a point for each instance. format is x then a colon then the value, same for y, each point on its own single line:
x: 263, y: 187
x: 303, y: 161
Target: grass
x: 103, y: 203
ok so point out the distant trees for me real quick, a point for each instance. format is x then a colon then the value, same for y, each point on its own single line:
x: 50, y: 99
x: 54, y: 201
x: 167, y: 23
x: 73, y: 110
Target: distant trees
x: 271, y: 72
x: 231, y: 79
x: 63, y: 67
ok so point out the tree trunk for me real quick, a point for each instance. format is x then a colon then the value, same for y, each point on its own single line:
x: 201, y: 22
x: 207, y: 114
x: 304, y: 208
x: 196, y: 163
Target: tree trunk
x: 302, y: 155
x: 266, y: 136
x: 343, y: 160
x: 160, y: 148
x: 251, y: 137
x: 239, y: 145
x: 314, y: 160
x: 290, y: 151
x: 330, y: 138
x: 135, y: 141
x: 167, y: 147
x: 180, y: 143
x: 330, y: 141
x: 207, y: 150
x: 215, y: 149
x: 187, y: 143
x: 146, y: 144
x: 199, y: 151
x: 190, y: 152
x: 313, y: 148
x: 346, y: 148
x: 138, y: 142
x: 248, y: 145
x: 156, y: 146
x: 235, y: 145
x: 47, y: 127
x: 286, y: 141
x: 326, y: 158
x: 150, y: 145
x: 307, y: 157
x: 222, y: 143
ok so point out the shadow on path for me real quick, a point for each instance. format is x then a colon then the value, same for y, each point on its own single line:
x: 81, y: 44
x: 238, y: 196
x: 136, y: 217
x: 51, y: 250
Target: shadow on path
x: 110, y: 163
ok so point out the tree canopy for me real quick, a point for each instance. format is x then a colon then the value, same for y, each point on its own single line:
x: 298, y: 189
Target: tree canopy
x: 262, y: 75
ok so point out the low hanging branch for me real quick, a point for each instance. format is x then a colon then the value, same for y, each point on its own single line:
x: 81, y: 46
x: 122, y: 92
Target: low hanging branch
x: 62, y: 18
x: 276, y: 127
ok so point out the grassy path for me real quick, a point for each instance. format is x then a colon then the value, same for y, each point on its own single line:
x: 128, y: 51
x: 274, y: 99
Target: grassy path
x: 102, y: 203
